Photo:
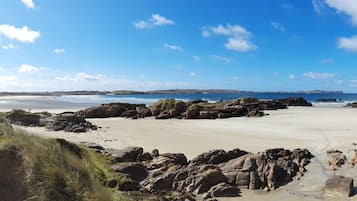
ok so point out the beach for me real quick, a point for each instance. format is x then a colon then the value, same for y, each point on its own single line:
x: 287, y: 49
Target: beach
x: 316, y: 128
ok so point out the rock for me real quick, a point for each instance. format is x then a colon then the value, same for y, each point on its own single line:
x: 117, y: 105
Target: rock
x: 155, y: 153
x: 175, y: 158
x: 69, y: 122
x: 336, y: 159
x: 129, y: 154
x: 93, y: 146
x: 130, y: 114
x: 353, y: 105
x: 23, y: 118
x: 295, y: 101
x: 163, y: 182
x: 217, y: 156
x: 193, y: 111
x: 135, y: 171
x: 129, y: 185
x: 326, y: 100
x: 339, y: 186
x: 209, y: 114
x: 243, y: 179
x: 112, y: 183
x: 168, y: 108
x: 248, y: 100
x: 207, y: 179
x: 224, y: 190
x: 143, y: 112
x: 109, y: 110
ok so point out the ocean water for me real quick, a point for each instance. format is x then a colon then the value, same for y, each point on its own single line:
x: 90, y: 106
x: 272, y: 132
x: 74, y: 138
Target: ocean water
x: 148, y: 99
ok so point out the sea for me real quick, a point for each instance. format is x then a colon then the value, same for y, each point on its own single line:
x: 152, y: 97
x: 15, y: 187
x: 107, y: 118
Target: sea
x: 342, y: 98
x: 76, y: 102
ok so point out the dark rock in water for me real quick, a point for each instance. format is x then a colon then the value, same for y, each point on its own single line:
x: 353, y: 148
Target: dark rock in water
x: 23, y: 118
x: 296, y: 101
x: 339, y: 187
x: 327, y: 100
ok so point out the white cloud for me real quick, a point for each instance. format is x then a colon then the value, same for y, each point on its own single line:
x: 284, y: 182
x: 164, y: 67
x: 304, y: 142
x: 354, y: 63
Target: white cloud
x: 156, y: 20
x: 240, y: 45
x: 292, y: 77
x: 173, y: 47
x: 24, y: 68
x: 238, y: 36
x: 319, y: 76
x: 58, y: 51
x: 348, y: 7
x: 29, y: 3
x: 9, y: 46
x: 318, y: 6
x: 193, y: 74
x: 353, y: 83
x: 221, y: 59
x: 278, y: 26
x: 196, y: 58
x: 81, y: 77
x: 349, y: 44
x: 23, y: 34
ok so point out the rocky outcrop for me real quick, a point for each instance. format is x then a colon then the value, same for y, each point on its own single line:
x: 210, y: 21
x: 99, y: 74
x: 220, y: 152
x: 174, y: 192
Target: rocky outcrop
x: 217, y: 173
x: 353, y: 105
x: 115, y: 110
x: 296, y: 101
x: 336, y: 158
x: 339, y: 187
x: 171, y: 108
x: 68, y: 121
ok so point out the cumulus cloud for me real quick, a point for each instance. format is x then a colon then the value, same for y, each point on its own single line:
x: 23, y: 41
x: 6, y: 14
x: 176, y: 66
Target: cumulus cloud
x: 349, y: 44
x: 7, y: 47
x: 156, y: 20
x: 24, y: 68
x: 58, y: 51
x: 348, y: 7
x: 81, y: 77
x: 173, y: 47
x: 238, y: 36
x: 319, y: 76
x: 278, y: 26
x: 221, y: 59
x: 29, y: 3
x: 23, y: 34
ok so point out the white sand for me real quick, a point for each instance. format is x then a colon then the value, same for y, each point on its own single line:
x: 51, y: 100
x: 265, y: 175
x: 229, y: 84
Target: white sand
x: 317, y: 129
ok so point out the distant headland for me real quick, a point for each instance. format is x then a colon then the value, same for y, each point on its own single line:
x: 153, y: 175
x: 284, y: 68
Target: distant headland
x: 168, y: 91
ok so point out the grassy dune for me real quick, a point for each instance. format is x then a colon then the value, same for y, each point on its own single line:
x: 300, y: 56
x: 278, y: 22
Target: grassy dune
x: 38, y: 169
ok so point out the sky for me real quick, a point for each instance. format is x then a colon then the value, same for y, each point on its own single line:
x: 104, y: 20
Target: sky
x: 260, y: 45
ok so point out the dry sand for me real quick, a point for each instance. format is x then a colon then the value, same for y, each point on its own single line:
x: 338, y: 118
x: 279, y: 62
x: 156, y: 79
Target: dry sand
x: 315, y: 128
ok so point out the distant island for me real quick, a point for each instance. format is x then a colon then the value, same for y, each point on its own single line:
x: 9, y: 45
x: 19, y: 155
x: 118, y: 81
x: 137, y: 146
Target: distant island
x: 168, y: 91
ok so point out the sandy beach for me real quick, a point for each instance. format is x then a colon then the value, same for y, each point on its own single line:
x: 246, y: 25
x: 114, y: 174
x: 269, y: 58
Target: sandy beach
x: 315, y: 128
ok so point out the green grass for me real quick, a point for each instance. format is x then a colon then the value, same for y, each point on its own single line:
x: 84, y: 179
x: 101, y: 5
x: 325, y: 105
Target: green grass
x: 59, y: 170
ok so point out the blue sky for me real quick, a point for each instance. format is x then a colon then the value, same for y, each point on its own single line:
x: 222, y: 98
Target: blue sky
x: 262, y: 45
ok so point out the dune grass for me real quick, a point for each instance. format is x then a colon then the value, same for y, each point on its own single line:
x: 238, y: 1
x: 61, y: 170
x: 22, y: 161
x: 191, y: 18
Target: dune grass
x: 56, y: 170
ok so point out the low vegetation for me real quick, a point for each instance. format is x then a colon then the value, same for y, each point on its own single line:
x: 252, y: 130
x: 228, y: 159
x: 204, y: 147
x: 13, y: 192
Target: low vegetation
x: 38, y: 169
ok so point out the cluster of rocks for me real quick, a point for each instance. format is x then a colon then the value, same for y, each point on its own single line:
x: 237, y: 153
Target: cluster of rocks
x: 353, y: 105
x: 68, y: 121
x: 216, y: 173
x: 336, y: 158
x: 171, y: 108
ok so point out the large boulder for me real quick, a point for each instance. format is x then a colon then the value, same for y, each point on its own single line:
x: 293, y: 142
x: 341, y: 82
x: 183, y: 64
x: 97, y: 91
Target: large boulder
x: 168, y: 108
x: 129, y: 154
x: 135, y: 171
x: 23, y: 118
x: 109, y: 110
x: 339, y: 186
x: 336, y: 158
x: 295, y: 101
x: 69, y: 122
